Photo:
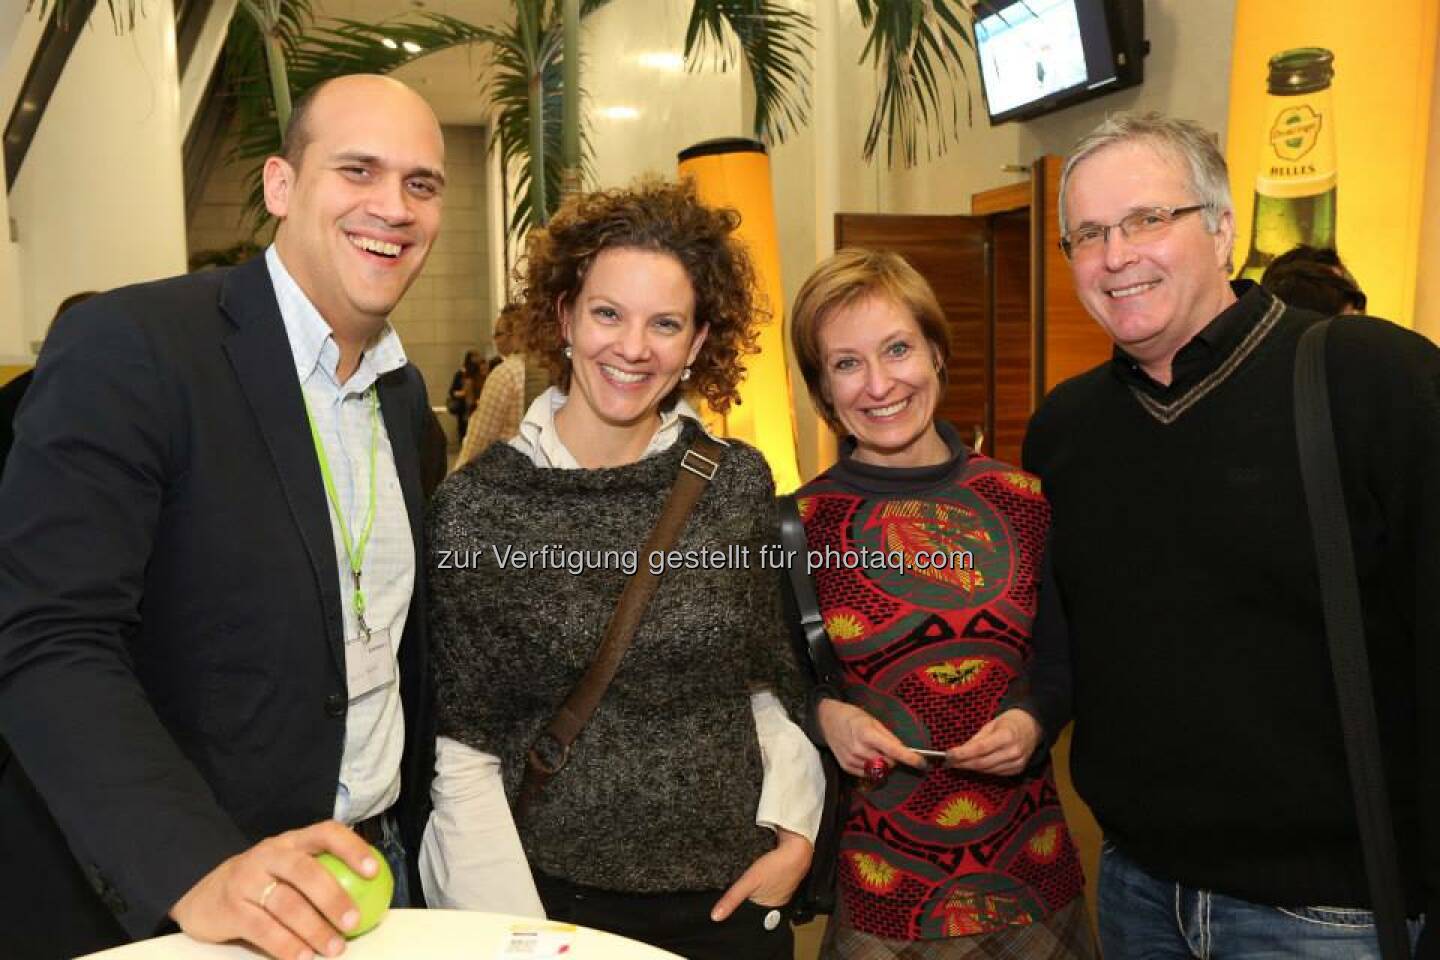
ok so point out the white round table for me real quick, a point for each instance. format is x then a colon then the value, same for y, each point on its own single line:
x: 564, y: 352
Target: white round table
x: 425, y: 935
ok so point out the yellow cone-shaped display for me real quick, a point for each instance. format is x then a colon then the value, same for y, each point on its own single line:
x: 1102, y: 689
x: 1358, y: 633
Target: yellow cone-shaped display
x: 736, y: 173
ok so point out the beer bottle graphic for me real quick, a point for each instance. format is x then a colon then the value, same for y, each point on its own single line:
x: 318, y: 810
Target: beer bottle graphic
x: 1295, y: 184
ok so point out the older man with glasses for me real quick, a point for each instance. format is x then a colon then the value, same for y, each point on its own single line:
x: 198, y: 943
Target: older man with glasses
x: 1207, y: 739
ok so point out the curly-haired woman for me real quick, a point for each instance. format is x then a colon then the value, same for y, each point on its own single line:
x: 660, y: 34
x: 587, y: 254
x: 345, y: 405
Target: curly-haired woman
x: 967, y: 856
x: 686, y: 812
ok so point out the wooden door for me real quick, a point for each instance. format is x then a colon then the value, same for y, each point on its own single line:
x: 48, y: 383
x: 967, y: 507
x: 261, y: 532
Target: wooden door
x: 1012, y: 357
x: 952, y: 254
x: 1067, y: 340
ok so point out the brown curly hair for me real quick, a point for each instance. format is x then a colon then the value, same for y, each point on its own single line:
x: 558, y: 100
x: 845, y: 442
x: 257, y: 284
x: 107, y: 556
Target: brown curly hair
x: 658, y: 216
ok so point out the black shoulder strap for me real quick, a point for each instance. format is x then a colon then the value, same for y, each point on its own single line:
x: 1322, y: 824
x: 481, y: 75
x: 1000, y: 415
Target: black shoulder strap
x: 1345, y: 630
x: 817, y: 892
x: 812, y: 624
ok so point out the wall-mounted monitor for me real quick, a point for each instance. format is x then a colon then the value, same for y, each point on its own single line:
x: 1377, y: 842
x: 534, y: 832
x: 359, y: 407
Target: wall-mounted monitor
x: 1040, y: 55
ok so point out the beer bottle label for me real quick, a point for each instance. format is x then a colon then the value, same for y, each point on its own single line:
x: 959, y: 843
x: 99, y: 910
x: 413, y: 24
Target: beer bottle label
x: 1297, y: 154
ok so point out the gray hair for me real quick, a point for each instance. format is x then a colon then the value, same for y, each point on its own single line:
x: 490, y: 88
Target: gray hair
x: 1187, y: 141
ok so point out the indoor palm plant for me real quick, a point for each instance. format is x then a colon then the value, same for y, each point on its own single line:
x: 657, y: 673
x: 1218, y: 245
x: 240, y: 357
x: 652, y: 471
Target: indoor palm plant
x: 276, y: 50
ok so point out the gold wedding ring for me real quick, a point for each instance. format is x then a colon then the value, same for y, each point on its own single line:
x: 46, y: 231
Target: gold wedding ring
x: 265, y: 894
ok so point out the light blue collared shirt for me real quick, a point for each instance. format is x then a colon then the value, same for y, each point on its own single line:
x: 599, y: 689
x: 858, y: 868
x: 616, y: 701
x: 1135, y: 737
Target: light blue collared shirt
x: 374, y: 724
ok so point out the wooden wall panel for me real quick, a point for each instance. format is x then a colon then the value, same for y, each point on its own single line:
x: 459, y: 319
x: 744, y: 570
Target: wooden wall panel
x: 1072, y: 341
x: 949, y: 252
x: 1012, y: 196
x: 1011, y: 396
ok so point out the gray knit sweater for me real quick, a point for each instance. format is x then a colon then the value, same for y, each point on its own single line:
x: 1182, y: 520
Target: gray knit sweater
x: 661, y: 788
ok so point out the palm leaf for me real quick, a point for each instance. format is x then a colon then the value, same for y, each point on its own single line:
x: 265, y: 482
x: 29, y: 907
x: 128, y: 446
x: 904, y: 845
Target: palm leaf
x: 342, y: 46
x: 774, y: 43
x: 916, y: 47
x: 122, y: 12
x: 530, y: 43
x: 534, y: 43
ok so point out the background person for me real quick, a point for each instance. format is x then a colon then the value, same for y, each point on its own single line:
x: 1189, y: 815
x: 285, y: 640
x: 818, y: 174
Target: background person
x: 465, y: 388
x: 1314, y: 278
x: 497, y: 413
x: 970, y: 857
x: 651, y: 830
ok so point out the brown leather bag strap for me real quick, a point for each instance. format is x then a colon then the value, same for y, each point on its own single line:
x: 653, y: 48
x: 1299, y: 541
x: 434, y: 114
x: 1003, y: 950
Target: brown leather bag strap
x: 550, y: 752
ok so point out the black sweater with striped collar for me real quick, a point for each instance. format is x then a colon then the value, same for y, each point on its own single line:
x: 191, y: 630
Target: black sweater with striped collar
x: 1207, y: 734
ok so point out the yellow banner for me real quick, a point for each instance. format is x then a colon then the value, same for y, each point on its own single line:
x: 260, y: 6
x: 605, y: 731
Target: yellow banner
x: 1329, y: 125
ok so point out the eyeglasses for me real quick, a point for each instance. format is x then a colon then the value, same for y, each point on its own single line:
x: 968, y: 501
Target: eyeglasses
x: 1139, y: 226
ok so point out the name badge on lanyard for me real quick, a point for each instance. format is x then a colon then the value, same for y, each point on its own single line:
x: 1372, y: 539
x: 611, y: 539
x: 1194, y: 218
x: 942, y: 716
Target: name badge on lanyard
x: 369, y: 659
x: 369, y: 662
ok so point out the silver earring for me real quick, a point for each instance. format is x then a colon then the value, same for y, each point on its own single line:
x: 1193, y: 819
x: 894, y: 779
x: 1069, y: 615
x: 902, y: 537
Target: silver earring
x: 567, y: 351
x: 685, y: 374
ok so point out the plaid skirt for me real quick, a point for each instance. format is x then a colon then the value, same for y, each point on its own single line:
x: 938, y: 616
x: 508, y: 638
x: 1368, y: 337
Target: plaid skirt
x: 1064, y: 935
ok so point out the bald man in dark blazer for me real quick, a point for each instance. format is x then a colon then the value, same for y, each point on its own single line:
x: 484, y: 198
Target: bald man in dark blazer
x: 173, y: 639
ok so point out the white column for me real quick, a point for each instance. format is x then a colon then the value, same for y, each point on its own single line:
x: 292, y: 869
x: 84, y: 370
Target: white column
x: 18, y: 42
x: 99, y: 201
x: 202, y: 61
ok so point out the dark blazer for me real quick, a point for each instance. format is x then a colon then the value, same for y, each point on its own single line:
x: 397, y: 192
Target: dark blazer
x: 10, y: 396
x: 172, y: 674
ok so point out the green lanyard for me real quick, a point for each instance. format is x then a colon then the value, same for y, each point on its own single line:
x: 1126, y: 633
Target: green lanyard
x: 355, y: 551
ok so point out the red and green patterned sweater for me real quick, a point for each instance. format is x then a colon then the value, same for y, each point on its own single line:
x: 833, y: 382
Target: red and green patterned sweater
x: 936, y: 653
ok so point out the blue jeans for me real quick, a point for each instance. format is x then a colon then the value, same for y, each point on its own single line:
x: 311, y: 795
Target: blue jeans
x: 1143, y: 917
x: 394, y: 850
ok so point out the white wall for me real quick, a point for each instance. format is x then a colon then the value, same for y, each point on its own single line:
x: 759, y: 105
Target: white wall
x: 99, y: 201
x: 13, y: 348
x: 674, y: 108
x: 19, y: 35
x: 10, y: 21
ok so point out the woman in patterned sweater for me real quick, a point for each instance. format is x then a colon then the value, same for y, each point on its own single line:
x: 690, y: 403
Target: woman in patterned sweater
x: 927, y: 560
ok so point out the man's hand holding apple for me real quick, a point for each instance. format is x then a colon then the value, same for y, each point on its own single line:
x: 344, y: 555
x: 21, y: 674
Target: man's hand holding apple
x: 278, y: 897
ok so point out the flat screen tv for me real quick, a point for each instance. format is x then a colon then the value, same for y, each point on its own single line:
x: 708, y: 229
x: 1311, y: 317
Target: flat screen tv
x: 1040, y: 55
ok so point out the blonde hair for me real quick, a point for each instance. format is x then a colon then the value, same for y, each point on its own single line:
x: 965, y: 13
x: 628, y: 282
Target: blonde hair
x: 846, y: 278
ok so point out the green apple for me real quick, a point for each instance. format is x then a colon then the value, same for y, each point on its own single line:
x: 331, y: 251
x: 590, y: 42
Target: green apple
x: 372, y: 896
